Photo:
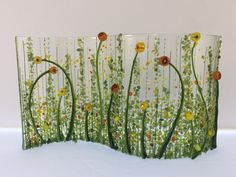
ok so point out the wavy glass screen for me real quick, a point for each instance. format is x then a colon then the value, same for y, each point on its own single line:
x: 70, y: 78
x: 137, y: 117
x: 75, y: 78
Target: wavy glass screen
x: 141, y: 115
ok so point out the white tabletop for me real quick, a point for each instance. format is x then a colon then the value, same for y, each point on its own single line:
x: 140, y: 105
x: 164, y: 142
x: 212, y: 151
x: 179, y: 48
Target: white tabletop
x: 89, y: 160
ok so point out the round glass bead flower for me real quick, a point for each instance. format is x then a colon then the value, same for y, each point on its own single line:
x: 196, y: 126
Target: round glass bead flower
x: 140, y: 47
x: 102, y: 36
x: 116, y: 119
x: 211, y: 132
x: 144, y: 105
x: 197, y: 147
x: 37, y: 59
x: 195, y: 37
x: 53, y: 70
x: 164, y: 61
x: 216, y: 75
x: 62, y: 92
x: 115, y: 88
x: 189, y: 116
x: 88, y: 107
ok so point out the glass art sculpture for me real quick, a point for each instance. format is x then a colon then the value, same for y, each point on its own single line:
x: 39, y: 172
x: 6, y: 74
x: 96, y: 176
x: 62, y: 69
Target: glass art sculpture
x: 149, y: 95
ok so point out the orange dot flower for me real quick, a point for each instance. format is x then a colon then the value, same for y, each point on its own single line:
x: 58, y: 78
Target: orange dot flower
x: 140, y: 47
x: 164, y: 61
x: 115, y: 88
x: 216, y: 75
x: 53, y: 70
x: 148, y: 135
x: 102, y: 36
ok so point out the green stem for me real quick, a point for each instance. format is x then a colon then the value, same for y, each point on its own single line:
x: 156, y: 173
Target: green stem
x: 168, y: 138
x: 71, y: 127
x: 99, y: 91
x: 203, y: 100
x: 86, y: 126
x: 143, y: 151
x: 192, y: 140
x: 214, y: 138
x: 30, y: 104
x: 155, y: 132
x: 58, y: 120
x: 111, y: 141
x: 127, y: 107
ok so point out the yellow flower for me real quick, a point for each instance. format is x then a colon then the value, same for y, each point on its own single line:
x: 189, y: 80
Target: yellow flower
x: 144, y: 105
x: 116, y: 119
x: 88, y: 107
x: 28, y: 83
x: 39, y: 110
x: 195, y: 37
x: 108, y: 58
x: 40, y: 97
x: 45, y: 127
x: 62, y: 92
x: 140, y: 46
x: 189, y: 116
x: 77, y: 61
x: 48, y: 56
x: 148, y: 62
x: 166, y: 114
x: 50, y: 110
x: 37, y: 59
x: 197, y: 147
x: 133, y: 135
x: 211, y: 132
x: 156, y: 91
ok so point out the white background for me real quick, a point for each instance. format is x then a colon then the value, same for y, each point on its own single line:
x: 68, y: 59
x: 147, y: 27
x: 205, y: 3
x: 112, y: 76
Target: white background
x: 87, y: 17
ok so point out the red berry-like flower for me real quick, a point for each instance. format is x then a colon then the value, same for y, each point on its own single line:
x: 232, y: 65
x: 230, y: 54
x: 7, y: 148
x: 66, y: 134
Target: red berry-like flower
x: 53, y: 70
x: 216, y: 75
x: 115, y: 88
x: 102, y: 36
x: 164, y: 61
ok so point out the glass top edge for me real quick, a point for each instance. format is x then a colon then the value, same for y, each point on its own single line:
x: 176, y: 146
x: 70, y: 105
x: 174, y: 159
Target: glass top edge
x: 124, y: 34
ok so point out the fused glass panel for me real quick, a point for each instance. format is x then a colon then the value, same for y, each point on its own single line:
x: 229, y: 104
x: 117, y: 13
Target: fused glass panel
x: 149, y: 95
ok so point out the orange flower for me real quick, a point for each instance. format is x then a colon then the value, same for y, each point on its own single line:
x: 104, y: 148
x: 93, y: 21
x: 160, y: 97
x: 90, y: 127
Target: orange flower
x: 130, y: 93
x: 174, y: 138
x: 115, y: 88
x: 102, y: 36
x: 148, y: 135
x: 140, y: 46
x: 216, y: 75
x: 164, y: 61
x: 53, y: 70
